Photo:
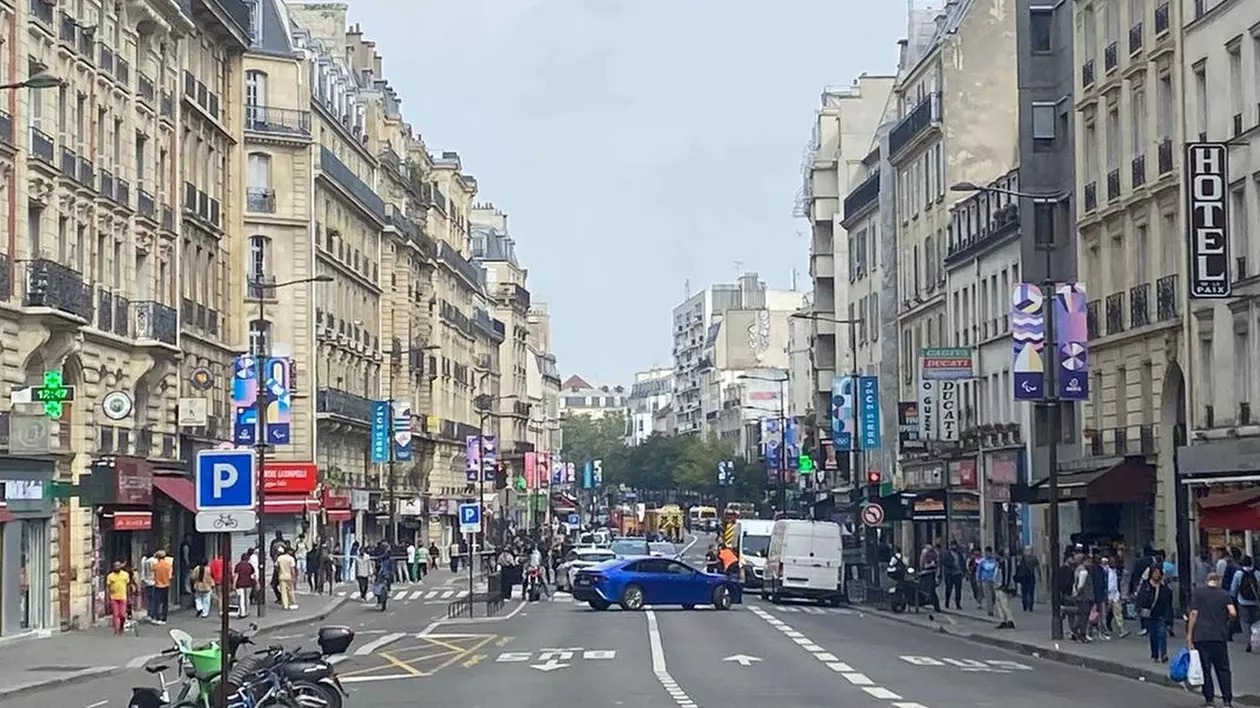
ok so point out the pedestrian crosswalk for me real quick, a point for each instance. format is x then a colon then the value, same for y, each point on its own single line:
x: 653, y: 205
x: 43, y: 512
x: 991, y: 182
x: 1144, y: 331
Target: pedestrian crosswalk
x: 808, y: 610
x: 410, y: 595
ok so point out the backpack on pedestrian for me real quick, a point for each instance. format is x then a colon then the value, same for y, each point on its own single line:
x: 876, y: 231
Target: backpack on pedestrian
x: 1249, y: 586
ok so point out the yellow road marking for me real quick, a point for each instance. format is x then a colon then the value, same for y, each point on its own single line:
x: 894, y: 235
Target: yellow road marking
x: 456, y: 658
x: 400, y: 664
x: 502, y: 641
x: 476, y: 659
x: 418, y: 659
x: 456, y: 647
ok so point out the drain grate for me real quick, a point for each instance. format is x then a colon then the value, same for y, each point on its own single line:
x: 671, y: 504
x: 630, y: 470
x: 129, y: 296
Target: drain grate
x: 59, y: 669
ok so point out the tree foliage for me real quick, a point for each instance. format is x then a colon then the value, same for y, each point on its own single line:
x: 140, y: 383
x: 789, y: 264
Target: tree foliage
x: 660, y: 462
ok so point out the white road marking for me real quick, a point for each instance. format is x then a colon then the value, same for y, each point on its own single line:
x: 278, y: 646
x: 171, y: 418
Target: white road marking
x: 856, y: 678
x: 98, y: 703
x: 451, y: 593
x: 512, y: 657
x: 599, y: 654
x: 416, y: 595
x: 658, y: 664
x: 378, y: 643
x: 471, y: 620
x: 334, y: 660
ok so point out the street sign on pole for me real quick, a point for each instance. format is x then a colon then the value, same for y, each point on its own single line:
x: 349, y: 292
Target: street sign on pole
x: 227, y: 491
x: 872, y: 514
x: 470, y: 518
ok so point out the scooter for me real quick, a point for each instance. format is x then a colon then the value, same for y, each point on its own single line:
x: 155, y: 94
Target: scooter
x: 907, y: 589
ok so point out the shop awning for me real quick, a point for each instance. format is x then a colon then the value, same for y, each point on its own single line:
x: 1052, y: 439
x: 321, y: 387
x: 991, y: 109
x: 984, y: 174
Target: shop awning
x: 340, y: 514
x: 1128, y: 482
x: 1235, y: 511
x: 179, y: 488
x: 288, y: 504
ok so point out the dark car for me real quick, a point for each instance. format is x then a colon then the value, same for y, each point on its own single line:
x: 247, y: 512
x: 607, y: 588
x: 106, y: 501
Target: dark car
x: 637, y: 582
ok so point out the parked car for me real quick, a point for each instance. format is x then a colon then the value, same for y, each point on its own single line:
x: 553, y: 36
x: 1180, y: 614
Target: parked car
x: 577, y: 559
x: 637, y: 582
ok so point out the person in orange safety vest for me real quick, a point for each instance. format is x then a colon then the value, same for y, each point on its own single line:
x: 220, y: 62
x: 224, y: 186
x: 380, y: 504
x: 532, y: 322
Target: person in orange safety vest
x: 727, y: 558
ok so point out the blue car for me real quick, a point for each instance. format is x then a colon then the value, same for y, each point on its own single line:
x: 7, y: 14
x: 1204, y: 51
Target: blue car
x: 639, y: 581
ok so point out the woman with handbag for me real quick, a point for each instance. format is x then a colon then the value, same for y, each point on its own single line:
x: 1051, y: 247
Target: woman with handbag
x: 1154, y: 606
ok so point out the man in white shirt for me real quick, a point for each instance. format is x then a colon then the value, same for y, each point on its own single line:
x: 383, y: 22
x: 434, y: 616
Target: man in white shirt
x: 412, y: 573
x: 147, y: 583
x: 1114, y: 602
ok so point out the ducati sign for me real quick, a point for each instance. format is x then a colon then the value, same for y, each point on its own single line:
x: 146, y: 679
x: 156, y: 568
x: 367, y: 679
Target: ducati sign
x: 1207, y: 193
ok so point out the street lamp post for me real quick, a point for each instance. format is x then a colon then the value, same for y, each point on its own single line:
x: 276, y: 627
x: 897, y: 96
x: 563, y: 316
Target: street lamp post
x: 1050, y: 403
x: 38, y: 80
x: 261, y: 288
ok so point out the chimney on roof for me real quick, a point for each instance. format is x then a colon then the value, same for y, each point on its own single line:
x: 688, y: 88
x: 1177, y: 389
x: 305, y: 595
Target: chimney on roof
x: 378, y: 68
x: 902, y: 44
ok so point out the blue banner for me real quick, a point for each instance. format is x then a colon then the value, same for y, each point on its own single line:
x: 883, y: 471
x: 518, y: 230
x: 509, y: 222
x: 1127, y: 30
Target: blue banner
x: 558, y: 468
x: 588, y: 476
x: 279, y: 400
x: 771, y: 444
x: 402, y: 431
x: 792, y: 444
x: 380, y: 431
x: 842, y: 433
x: 245, y: 400
x: 868, y: 412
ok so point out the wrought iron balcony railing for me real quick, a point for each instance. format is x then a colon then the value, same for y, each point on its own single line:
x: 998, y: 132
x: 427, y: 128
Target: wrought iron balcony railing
x: 1140, y: 305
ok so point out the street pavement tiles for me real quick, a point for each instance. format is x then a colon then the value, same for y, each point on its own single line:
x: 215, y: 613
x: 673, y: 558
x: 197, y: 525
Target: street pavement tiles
x: 832, y: 662
x: 408, y: 595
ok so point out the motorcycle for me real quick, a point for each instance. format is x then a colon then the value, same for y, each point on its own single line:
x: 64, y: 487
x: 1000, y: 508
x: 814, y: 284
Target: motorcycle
x: 907, y: 589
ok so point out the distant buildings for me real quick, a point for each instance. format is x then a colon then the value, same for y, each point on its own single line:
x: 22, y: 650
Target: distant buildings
x: 652, y: 391
x: 578, y: 397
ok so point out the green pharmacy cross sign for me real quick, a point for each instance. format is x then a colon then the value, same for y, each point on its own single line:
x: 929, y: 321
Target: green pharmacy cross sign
x: 53, y: 394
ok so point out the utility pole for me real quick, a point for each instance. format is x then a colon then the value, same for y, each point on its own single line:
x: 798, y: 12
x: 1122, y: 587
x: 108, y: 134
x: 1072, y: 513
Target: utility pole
x: 391, y: 488
x: 260, y: 444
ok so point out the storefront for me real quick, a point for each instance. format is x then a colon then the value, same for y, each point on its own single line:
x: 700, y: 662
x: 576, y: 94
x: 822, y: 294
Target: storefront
x: 26, y: 512
x: 337, y: 518
x: 120, y: 490
x: 287, y: 498
x: 943, y: 516
x: 1115, y: 505
x: 1223, y: 481
x: 1004, y: 518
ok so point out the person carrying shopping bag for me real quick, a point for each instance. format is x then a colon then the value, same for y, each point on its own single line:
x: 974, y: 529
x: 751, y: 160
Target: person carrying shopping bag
x: 1212, y: 613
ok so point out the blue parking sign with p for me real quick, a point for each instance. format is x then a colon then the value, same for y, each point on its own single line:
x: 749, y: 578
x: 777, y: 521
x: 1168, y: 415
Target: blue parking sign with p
x: 226, y: 480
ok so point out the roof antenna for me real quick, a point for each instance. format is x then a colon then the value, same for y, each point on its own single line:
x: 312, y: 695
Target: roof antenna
x: 687, y: 289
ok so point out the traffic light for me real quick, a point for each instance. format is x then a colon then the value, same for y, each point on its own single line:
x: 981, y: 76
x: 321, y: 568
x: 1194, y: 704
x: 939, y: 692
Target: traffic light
x: 873, y: 478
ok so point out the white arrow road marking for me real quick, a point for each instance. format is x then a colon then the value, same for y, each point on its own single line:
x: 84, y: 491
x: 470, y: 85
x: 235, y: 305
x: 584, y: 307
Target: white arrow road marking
x: 378, y: 643
x: 599, y: 654
x: 509, y: 657
x: 548, y: 667
x: 743, y: 659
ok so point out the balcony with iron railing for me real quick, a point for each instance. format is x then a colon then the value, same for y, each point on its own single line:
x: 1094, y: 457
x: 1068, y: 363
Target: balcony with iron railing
x: 68, y: 30
x: 87, y: 173
x: 451, y: 257
x: 260, y: 200
x: 155, y: 321
x: 106, y: 187
x: 923, y: 116
x: 862, y: 196
x: 145, y: 204
x: 1165, y: 155
x: 145, y: 89
x: 1166, y: 298
x: 42, y: 12
x: 113, y: 313
x: 122, y: 193
x: 336, y: 171
x: 1111, y: 57
x: 1091, y: 319
x: 343, y: 404
x: 277, y: 121
x: 1140, y: 305
x: 87, y: 46
x: 106, y: 62
x: 166, y: 106
x: 69, y: 163
x: 1134, y: 440
x: 42, y: 145
x: 1137, y: 171
x: 58, y: 287
x: 1115, y: 313
x: 6, y: 129
x: 168, y: 218
x: 122, y: 71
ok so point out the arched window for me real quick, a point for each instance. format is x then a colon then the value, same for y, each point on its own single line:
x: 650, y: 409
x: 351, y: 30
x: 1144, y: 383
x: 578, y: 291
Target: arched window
x: 260, y: 337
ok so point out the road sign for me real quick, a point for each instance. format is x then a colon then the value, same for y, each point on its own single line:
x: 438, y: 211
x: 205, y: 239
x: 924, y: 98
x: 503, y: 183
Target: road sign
x: 470, y: 518
x: 226, y: 480
x: 575, y: 520
x: 872, y: 514
x: 226, y: 521
x: 743, y: 659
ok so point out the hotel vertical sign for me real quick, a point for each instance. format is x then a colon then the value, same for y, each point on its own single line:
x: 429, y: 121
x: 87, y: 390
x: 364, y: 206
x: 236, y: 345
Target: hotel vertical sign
x: 1207, y: 194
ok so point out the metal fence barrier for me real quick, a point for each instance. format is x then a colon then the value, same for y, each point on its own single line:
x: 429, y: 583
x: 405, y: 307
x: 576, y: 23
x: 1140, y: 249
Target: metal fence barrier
x: 492, y: 600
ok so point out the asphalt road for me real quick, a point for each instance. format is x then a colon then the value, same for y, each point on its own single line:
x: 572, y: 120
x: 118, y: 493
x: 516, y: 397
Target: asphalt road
x: 942, y: 671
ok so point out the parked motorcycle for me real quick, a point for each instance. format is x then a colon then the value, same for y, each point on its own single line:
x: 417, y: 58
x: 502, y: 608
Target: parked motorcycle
x: 907, y: 589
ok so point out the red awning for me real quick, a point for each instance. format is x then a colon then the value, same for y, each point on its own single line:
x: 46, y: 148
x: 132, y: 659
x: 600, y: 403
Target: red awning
x: 133, y: 520
x: 180, y: 489
x: 340, y: 514
x: 1233, y: 511
x: 286, y: 504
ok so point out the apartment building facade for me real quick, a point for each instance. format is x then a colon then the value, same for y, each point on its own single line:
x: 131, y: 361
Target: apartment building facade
x: 1128, y: 219
x: 835, y: 168
x: 1220, y: 70
x: 505, y: 282
x: 578, y: 397
x: 651, y: 391
x: 97, y: 275
x: 544, y: 381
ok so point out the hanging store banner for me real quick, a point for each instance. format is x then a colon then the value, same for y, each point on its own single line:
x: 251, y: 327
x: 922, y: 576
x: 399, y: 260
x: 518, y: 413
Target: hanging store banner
x: 868, y: 412
x: 928, y: 411
x: 942, y: 364
x: 402, y: 431
x: 792, y: 444
x: 1207, y: 192
x: 947, y: 422
x: 380, y: 431
x: 531, y: 470
x: 570, y: 473
x: 908, y: 439
x: 842, y: 413
x: 472, y: 457
x: 245, y: 400
x: 1028, y: 338
x: 490, y: 446
x: 1071, y: 328
x: 279, y: 400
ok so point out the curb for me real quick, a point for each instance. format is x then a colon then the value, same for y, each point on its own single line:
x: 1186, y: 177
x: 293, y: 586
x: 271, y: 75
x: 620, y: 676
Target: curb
x: 23, y: 689
x: 1158, y: 677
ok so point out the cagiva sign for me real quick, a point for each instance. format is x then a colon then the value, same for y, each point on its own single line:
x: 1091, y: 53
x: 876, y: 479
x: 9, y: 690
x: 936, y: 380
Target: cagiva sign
x: 1207, y: 192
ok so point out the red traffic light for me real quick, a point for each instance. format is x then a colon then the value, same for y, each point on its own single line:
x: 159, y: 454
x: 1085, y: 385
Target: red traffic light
x: 872, y: 477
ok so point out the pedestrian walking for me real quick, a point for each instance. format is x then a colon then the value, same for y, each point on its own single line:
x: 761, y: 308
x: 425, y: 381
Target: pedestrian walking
x: 202, y: 585
x: 1212, y: 612
x: 422, y: 560
x: 953, y: 566
x: 1154, y: 603
x: 286, y: 574
x: 146, y: 581
x: 117, y: 585
x: 244, y: 581
x: 363, y: 572
x: 1245, y: 589
x: 435, y: 556
x: 453, y: 550
x: 1026, y: 574
x: 163, y: 574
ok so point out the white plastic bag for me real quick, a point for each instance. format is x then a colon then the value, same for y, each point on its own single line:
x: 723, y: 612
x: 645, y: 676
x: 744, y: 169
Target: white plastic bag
x: 1194, y: 675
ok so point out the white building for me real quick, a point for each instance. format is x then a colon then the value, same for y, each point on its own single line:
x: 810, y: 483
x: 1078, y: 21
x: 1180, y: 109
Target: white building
x: 578, y: 397
x: 1221, y: 75
x: 842, y: 136
x: 651, y: 391
x: 800, y: 369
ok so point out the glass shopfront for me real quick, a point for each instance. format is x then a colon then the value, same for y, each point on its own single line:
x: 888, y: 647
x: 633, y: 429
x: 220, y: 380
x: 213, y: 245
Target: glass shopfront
x: 25, y: 592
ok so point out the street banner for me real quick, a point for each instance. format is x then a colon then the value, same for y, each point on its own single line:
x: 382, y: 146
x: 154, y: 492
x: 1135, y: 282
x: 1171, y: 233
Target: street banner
x: 380, y: 431
x: 1028, y: 339
x: 1071, y: 328
x: 402, y: 431
x: 868, y: 412
x: 842, y: 433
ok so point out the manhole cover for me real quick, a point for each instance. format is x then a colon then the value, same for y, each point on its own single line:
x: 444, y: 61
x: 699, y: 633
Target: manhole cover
x: 59, y: 669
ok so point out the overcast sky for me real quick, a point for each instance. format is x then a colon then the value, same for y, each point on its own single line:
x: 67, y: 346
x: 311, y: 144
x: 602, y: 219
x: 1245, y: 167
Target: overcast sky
x: 635, y: 144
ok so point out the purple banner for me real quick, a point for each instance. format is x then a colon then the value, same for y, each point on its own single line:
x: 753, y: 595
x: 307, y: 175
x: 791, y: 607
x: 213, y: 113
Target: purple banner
x: 1028, y: 338
x: 1072, y: 336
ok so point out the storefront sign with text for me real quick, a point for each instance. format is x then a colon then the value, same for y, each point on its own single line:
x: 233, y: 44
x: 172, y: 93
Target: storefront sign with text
x: 290, y: 477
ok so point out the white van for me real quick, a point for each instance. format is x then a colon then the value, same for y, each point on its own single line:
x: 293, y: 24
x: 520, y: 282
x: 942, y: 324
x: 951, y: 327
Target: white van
x: 752, y: 545
x: 804, y: 561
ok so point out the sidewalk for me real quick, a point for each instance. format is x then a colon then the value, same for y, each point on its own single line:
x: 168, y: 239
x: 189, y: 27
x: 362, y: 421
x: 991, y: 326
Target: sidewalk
x: 1128, y: 657
x: 39, y: 664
